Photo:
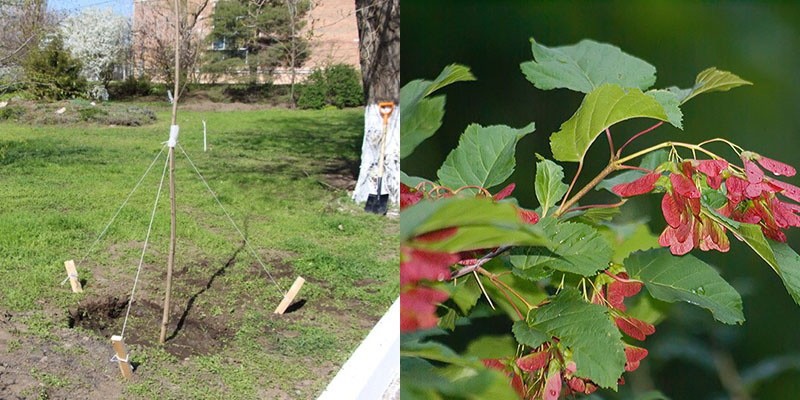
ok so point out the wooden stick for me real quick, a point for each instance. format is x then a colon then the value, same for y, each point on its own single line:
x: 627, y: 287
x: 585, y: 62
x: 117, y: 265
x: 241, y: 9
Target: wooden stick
x: 290, y: 295
x: 171, y: 256
x: 72, y: 273
x: 122, y: 356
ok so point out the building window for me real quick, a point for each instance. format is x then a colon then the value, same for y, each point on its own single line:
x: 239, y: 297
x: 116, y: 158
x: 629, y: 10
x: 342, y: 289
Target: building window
x: 219, y: 44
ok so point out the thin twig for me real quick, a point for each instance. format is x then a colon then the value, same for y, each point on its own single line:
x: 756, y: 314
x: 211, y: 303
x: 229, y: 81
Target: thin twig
x: 483, y: 260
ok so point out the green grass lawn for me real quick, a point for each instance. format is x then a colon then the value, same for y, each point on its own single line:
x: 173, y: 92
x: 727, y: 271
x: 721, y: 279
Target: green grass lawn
x: 275, y: 171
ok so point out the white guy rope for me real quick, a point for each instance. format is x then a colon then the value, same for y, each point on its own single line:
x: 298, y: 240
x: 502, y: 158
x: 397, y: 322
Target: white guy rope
x: 246, y: 242
x: 100, y: 237
x: 144, y: 248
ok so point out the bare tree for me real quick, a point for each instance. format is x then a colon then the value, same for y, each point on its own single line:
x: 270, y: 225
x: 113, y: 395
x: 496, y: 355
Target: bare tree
x: 154, y: 42
x: 379, y: 51
x: 22, y: 23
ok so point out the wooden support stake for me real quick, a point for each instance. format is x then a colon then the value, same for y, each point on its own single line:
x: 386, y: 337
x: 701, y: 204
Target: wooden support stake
x: 122, y: 356
x: 72, y: 274
x: 290, y: 295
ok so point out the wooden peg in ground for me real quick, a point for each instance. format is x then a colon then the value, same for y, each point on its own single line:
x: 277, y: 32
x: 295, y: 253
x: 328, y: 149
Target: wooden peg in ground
x: 290, y: 295
x: 122, y: 356
x: 72, y: 275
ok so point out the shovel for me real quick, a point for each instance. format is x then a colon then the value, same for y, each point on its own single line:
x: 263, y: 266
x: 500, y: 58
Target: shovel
x: 376, y: 203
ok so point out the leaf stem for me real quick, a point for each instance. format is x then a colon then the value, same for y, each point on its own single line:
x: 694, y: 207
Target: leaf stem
x: 636, y: 136
x: 610, y: 143
x: 611, y: 167
x: 663, y: 145
x: 618, y: 204
x: 495, y: 278
x: 569, y: 190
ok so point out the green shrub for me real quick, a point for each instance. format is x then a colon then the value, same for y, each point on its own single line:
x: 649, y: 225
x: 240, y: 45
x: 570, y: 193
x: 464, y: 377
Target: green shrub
x: 248, y: 92
x: 53, y: 73
x: 338, y: 85
x: 131, y: 87
x: 91, y: 113
x: 11, y: 112
x: 129, y: 116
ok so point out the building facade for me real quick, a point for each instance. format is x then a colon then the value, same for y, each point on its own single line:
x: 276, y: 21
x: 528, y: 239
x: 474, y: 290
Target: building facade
x: 330, y: 27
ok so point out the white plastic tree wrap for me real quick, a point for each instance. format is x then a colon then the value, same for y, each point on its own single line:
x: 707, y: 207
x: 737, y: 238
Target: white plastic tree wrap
x: 370, y: 154
x: 97, y: 37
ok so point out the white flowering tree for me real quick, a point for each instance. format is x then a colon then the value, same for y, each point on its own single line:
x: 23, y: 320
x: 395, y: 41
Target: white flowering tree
x: 98, y: 38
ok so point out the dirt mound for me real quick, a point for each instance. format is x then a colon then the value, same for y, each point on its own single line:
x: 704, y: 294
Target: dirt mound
x: 186, y: 336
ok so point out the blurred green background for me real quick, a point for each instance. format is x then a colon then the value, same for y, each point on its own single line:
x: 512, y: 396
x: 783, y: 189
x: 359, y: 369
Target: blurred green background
x: 692, y: 356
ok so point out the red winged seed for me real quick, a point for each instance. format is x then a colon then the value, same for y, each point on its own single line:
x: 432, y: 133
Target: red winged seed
x: 422, y: 264
x: 754, y: 174
x: 437, y: 235
x: 671, y: 209
x: 684, y: 186
x: 787, y: 189
x: 633, y: 355
x: 418, y: 308
x: 776, y: 167
x: 577, y: 384
x: 534, y: 361
x: 505, y: 192
x: 409, y: 196
x: 712, y: 169
x: 634, y: 328
x: 553, y: 387
x: 528, y: 216
x: 642, y: 185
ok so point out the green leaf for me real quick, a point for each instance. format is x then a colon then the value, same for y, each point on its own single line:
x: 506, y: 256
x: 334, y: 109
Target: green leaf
x: 491, y: 346
x: 448, y: 320
x: 595, y: 216
x: 686, y: 278
x: 789, y: 263
x: 533, y: 294
x: 628, y: 238
x: 751, y: 234
x: 585, y: 66
x: 713, y: 199
x: 671, y: 104
x: 479, y: 223
x: 651, y: 161
x: 588, y: 331
x: 421, y: 116
x: 601, y: 108
x: 423, y: 381
x: 707, y: 81
x: 549, y: 184
x: 450, y: 74
x: 484, y: 156
x: 411, y: 181
x: 576, y: 248
x: 527, y: 335
x: 420, y: 123
x: 465, y: 294
x: 437, y: 352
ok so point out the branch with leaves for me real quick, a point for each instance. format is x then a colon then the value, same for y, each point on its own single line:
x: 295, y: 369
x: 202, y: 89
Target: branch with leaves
x: 567, y: 277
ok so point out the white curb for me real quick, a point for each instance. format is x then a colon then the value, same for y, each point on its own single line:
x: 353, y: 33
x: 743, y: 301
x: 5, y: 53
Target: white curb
x: 373, y: 366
